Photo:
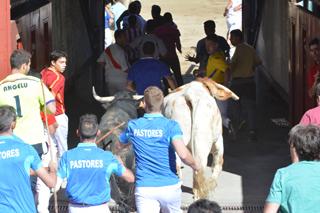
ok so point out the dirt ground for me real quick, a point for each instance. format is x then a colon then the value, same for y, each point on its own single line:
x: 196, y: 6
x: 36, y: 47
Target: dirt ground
x: 189, y: 16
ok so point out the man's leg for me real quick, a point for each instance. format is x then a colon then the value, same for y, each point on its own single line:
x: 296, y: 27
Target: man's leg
x: 43, y: 191
x: 145, y: 200
x: 170, y: 198
x: 175, y: 66
x: 33, y: 179
x: 61, y: 134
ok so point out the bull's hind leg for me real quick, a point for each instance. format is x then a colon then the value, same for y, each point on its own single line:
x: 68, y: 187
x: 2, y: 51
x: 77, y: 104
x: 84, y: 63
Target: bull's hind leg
x: 217, y: 154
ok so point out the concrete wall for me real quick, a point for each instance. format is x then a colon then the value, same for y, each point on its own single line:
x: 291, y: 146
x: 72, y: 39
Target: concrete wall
x: 272, y: 44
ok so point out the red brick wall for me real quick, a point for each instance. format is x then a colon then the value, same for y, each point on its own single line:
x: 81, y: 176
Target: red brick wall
x: 5, y: 38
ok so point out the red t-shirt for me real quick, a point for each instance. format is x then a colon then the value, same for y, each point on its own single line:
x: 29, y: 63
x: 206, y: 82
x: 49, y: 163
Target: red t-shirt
x: 170, y: 35
x: 311, y: 77
x: 54, y: 80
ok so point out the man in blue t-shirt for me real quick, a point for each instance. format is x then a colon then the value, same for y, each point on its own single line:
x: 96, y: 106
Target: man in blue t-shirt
x: 155, y: 140
x: 296, y: 188
x: 88, y: 170
x: 148, y: 71
x: 16, y: 160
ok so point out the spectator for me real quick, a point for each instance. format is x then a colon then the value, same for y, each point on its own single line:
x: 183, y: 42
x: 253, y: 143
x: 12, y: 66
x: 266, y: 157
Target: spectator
x: 117, y: 9
x: 16, y: 160
x: 108, y: 22
x: 204, y: 206
x: 296, y: 188
x: 137, y: 44
x: 29, y: 97
x: 152, y: 136
x: 88, y: 170
x: 114, y: 60
x: 53, y: 78
x: 148, y: 71
x: 156, y: 15
x: 216, y: 69
x: 133, y: 9
x: 314, y: 70
x: 168, y: 16
x: 25, y: 94
x: 242, y: 69
x: 170, y: 35
x: 233, y: 13
x: 133, y: 31
x: 202, y: 55
x: 55, y: 81
x: 312, y: 116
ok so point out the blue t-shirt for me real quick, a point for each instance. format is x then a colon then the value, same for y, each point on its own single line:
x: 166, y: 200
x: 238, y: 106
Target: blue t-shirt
x: 151, y: 137
x: 296, y: 188
x: 16, y: 159
x: 88, y: 170
x: 107, y: 17
x: 148, y: 72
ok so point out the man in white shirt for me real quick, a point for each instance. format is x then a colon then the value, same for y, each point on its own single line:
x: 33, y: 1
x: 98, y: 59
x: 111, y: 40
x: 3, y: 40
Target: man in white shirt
x: 114, y: 59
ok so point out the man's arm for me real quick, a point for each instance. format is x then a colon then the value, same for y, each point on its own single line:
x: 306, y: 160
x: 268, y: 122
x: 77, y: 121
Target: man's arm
x: 48, y: 177
x: 229, y: 4
x: 271, y: 207
x: 184, y: 154
x: 195, y: 58
x: 125, y: 13
x: 119, y: 146
x: 51, y: 107
x: 127, y: 175
x: 130, y: 86
x: 171, y: 82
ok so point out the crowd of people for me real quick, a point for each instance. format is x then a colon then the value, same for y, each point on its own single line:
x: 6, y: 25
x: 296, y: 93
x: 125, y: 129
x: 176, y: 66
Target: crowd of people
x: 142, y: 59
x: 141, y: 44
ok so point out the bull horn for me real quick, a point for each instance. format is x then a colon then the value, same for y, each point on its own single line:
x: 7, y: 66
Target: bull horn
x: 101, y: 99
x: 137, y: 97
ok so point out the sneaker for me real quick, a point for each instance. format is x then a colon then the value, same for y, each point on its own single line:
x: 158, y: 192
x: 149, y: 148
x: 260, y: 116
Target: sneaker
x: 252, y: 136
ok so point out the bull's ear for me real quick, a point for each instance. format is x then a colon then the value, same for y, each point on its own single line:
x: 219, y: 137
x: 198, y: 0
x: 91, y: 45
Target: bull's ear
x: 101, y: 99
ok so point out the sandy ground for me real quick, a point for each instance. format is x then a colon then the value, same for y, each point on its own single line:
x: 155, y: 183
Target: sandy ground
x: 189, y: 16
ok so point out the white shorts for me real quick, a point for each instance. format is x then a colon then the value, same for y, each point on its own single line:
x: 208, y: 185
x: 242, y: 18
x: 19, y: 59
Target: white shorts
x: 74, y: 208
x: 234, y: 22
x: 164, y: 198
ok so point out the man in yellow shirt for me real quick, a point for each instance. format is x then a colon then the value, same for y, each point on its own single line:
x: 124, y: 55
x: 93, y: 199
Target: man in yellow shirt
x: 25, y: 94
x: 216, y: 66
x: 242, y: 68
x: 216, y: 69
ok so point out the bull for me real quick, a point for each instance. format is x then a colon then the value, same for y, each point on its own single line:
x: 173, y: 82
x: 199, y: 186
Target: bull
x: 194, y: 107
x: 120, y: 108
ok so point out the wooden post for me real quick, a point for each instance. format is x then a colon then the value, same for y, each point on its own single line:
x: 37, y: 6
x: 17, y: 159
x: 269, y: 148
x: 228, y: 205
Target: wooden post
x: 5, y: 38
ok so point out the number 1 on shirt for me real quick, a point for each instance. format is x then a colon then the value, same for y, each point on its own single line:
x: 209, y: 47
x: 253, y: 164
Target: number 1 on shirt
x: 18, y: 106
